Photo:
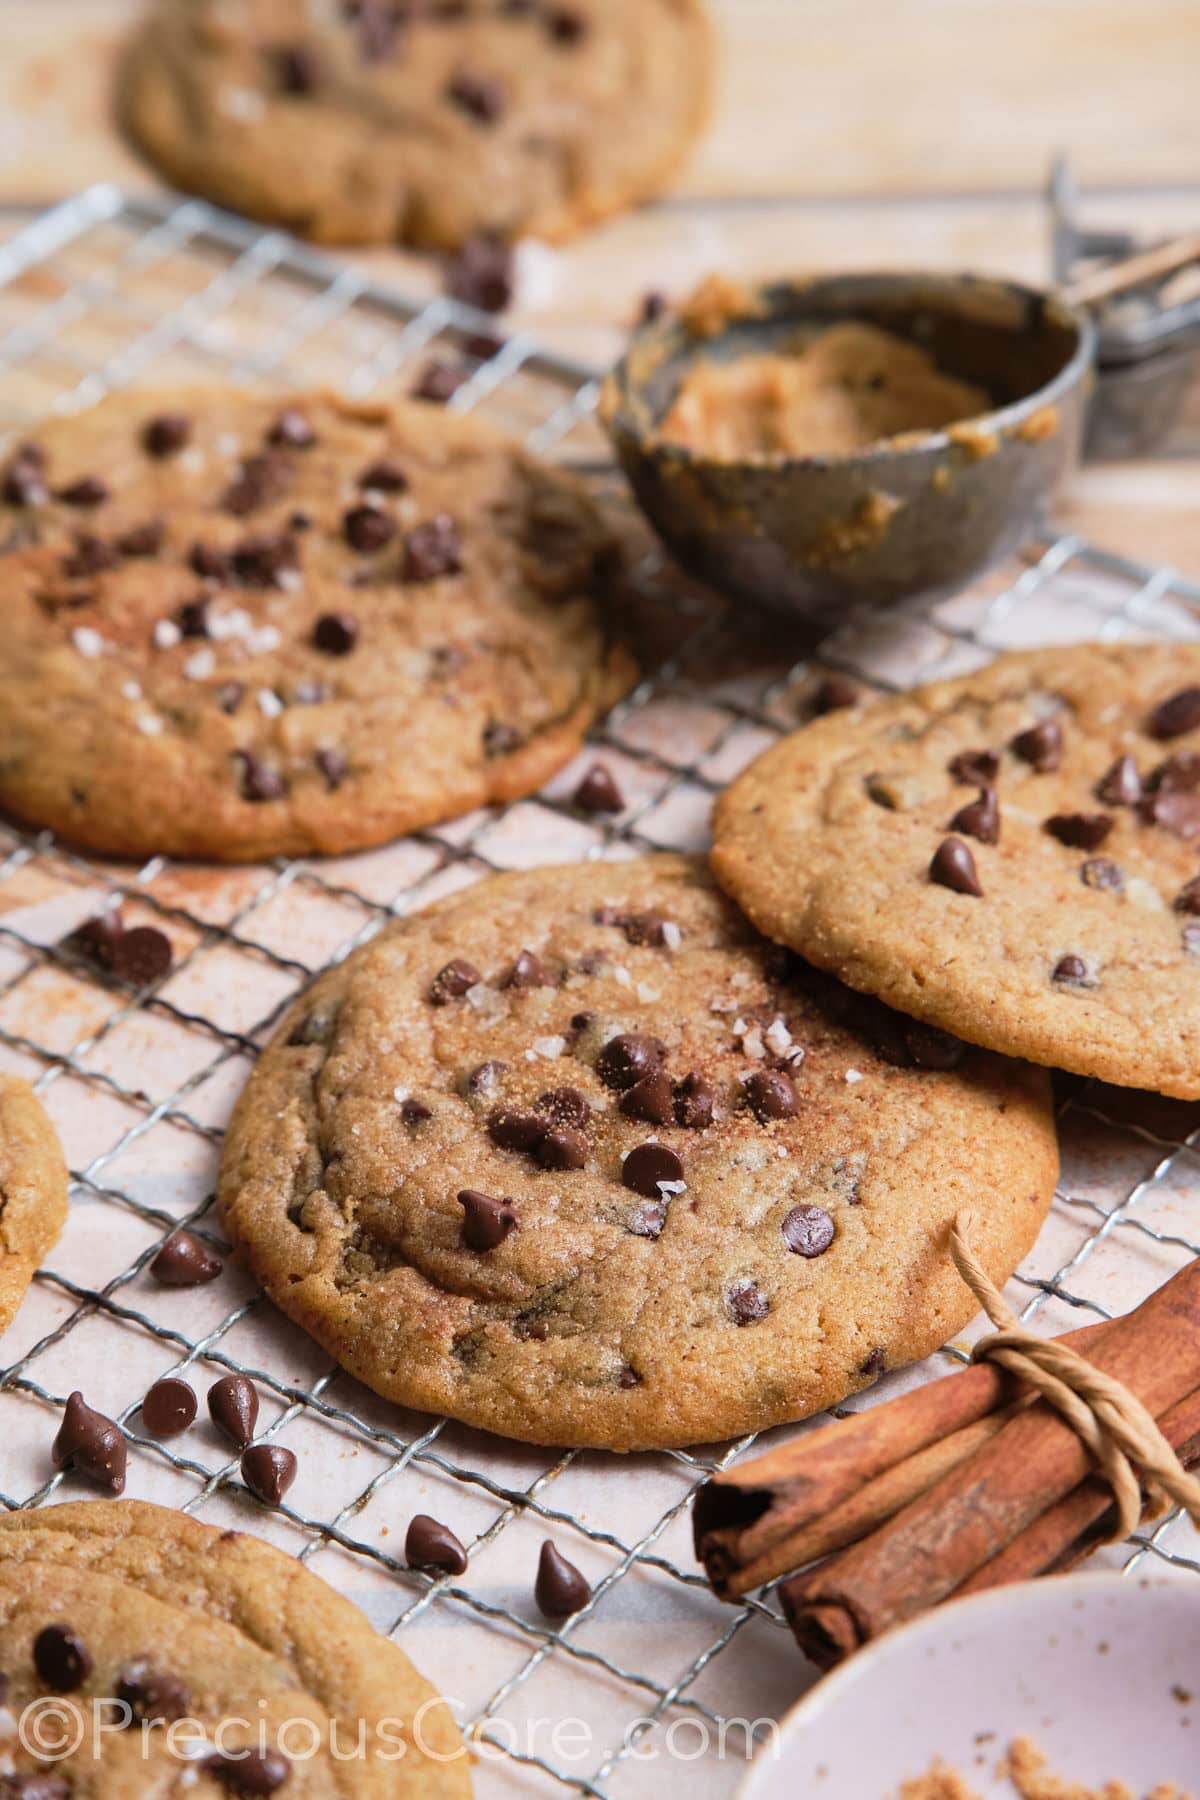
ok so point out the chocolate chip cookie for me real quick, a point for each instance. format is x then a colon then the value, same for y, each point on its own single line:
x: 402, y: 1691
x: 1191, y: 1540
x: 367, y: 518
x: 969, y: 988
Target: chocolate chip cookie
x: 239, y: 625
x: 577, y: 1157
x: 1013, y: 856
x: 33, y: 1191
x: 371, y: 121
x: 201, y: 1661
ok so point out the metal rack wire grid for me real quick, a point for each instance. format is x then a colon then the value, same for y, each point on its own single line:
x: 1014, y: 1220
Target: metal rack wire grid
x: 654, y: 1682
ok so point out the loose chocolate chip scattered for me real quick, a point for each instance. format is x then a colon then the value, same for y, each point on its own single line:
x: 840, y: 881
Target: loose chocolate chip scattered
x: 268, y: 1471
x: 297, y: 68
x: 166, y: 434
x: 61, y: 1658
x: 808, y: 1230
x: 432, y: 549
x: 185, y: 1261
x: 260, y: 783
x: 334, y: 766
x: 482, y: 273
x: 142, y: 540
x: 747, y: 1302
x: 953, y: 867
x: 428, y: 1544
x: 486, y: 1221
x: 563, y: 1148
x: 154, y: 1696
x: 695, y: 1099
x: 368, y: 529
x: 453, y: 981
x: 25, y: 478
x: 478, y: 96
x: 414, y: 1112
x: 142, y: 955
x: 771, y: 1095
x: 648, y: 1221
x: 168, y: 1408
x: 97, y: 938
x: 1121, y: 785
x: 650, y: 1099
x: 835, y: 694
x: 979, y: 818
x: 1099, y: 872
x: 440, y: 380
x: 598, y: 792
x: 510, y: 1130
x: 292, y: 431
x: 233, y: 1408
x: 1172, y: 717
x: 384, y: 477
x: 1081, y: 831
x: 87, y: 492
x: 1071, y: 971
x: 336, y: 633
x: 1040, y: 746
x: 648, y: 1167
x: 627, y: 1059
x: 91, y: 1444
x: 250, y: 1772
x: 560, y: 1589
x: 529, y: 971
x: 1187, y: 900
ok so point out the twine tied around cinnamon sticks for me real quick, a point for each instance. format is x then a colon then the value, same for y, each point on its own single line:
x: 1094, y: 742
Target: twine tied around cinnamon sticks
x: 1116, y: 1428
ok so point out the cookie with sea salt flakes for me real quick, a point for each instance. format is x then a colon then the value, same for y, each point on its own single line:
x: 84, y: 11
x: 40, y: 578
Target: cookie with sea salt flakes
x: 33, y: 1191
x: 240, y: 625
x: 577, y: 1157
x: 371, y: 121
x: 201, y: 1662
x: 1013, y: 856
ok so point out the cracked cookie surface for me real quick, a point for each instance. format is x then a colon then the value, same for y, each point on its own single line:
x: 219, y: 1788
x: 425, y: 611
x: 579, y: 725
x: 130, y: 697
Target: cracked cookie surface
x: 1012, y: 856
x: 216, y: 1634
x: 370, y: 121
x: 241, y: 624
x: 33, y: 1191
x: 577, y: 1157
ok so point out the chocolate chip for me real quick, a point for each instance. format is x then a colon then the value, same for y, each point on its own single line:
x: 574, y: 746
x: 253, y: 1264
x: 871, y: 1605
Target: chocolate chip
x: 953, y: 867
x: 771, y: 1096
x: 91, y: 556
x: 430, y: 1545
x: 808, y: 1230
x: 185, y: 1261
x: 452, y: 981
x: 650, y: 1099
x: 440, y: 380
x: 415, y: 1112
x: 260, y: 782
x: 1070, y: 970
x: 261, y: 562
x: 874, y: 1364
x: 334, y: 766
x: 87, y: 492
x: 1081, y: 831
x: 91, y: 1444
x: 627, y: 1059
x: 482, y: 273
x: 979, y: 818
x: 297, y: 68
x: 168, y: 1408
x: 1187, y: 900
x: 486, y: 1221
x: 695, y: 1099
x: 647, y: 1167
x: 560, y: 1589
x: 517, y: 1130
x: 747, y: 1302
x: 1121, y: 785
x: 166, y: 434
x: 268, y: 1471
x: 641, y: 928
x: 292, y: 431
x: 649, y: 1220
x: 565, y: 26
x: 368, y: 529
x: 1179, y: 773
x: 97, y: 938
x: 834, y: 694
x: 629, y: 1378
x: 487, y: 1076
x: 250, y: 1772
x: 478, y: 96
x: 1099, y: 872
x: 61, y: 1658
x: 598, y: 792
x: 233, y: 1408
x: 260, y: 480
x: 336, y: 633
x: 384, y: 477
x: 566, y: 1106
x: 929, y: 1047
x: 154, y: 1696
x: 499, y: 739
x: 25, y: 478
x: 1041, y: 746
x: 975, y: 768
x: 142, y: 955
x: 230, y: 695
x: 1172, y: 717
x: 210, y: 563
x: 563, y: 1148
x: 432, y: 549
x: 529, y: 971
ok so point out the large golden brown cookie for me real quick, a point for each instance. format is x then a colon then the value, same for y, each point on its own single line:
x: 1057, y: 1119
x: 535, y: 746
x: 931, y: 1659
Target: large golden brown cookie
x: 220, y: 1638
x: 1012, y: 856
x: 368, y: 121
x: 578, y: 1157
x: 238, y: 625
x: 33, y: 1191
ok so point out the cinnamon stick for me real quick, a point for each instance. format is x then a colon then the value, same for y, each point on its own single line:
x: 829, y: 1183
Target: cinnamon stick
x: 783, y: 1510
x: 937, y: 1544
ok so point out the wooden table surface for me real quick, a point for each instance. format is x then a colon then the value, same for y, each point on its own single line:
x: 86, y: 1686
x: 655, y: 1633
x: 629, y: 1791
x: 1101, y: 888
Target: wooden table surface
x: 847, y: 133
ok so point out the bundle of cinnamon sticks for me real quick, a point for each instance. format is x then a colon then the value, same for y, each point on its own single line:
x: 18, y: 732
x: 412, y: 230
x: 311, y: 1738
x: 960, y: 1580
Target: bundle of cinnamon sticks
x: 967, y: 1483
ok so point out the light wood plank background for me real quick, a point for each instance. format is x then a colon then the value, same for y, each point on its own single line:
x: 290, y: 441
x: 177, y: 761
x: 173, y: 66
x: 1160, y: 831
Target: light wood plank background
x: 848, y: 133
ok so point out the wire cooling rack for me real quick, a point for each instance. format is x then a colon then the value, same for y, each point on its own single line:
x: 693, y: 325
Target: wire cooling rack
x: 655, y: 1682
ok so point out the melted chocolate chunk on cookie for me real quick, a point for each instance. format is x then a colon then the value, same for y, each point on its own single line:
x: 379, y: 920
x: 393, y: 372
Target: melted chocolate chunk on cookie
x: 440, y: 380
x: 1080, y: 831
x: 432, y: 1546
x: 453, y: 981
x: 1102, y: 873
x: 1041, y: 746
x: 598, y: 791
x: 415, y: 1112
x: 771, y: 1096
x: 650, y: 1168
x: 336, y: 633
x: 91, y: 1444
x: 874, y: 1364
x: 628, y: 1059
x: 252, y: 1773
x: 953, y: 867
x: 1121, y: 785
x: 487, y: 1221
x: 980, y: 818
x: 86, y: 493
x: 746, y: 1302
x: 155, y: 1696
x: 483, y: 272
x: 650, y: 1099
x: 166, y: 435
x: 480, y: 96
x: 61, y: 1658
x: 529, y: 971
x: 808, y: 1230
x: 695, y: 1101
x: 433, y: 549
x: 1070, y: 971
x: 260, y: 783
x: 1176, y: 715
